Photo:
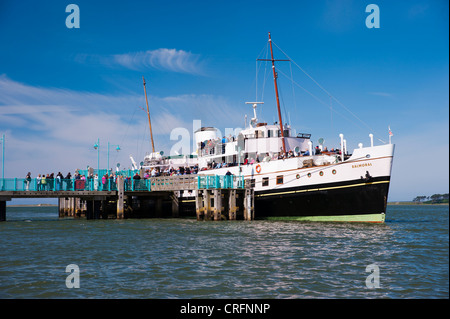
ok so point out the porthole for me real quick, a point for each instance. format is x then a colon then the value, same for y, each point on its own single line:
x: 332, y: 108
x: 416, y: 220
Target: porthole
x: 321, y: 173
x: 333, y: 171
x: 309, y: 174
x: 298, y: 176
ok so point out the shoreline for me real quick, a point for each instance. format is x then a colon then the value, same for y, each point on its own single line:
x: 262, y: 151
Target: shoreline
x: 33, y: 205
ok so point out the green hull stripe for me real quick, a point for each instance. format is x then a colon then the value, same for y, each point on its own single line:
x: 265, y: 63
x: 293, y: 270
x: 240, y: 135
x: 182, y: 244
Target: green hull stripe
x: 366, y: 218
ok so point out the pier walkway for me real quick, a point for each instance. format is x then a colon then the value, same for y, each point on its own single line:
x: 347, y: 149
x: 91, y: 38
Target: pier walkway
x: 212, y: 194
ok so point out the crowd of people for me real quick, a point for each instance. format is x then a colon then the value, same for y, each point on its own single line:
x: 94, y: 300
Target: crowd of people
x: 171, y: 171
x: 50, y: 182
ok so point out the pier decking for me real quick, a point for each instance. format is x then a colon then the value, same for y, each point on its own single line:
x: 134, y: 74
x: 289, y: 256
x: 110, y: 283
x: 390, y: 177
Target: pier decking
x: 208, y: 197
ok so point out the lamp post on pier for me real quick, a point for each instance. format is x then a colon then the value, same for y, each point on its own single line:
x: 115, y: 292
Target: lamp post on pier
x: 97, y: 147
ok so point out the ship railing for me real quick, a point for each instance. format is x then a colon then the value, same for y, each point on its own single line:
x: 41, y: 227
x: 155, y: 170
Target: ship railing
x: 216, y: 148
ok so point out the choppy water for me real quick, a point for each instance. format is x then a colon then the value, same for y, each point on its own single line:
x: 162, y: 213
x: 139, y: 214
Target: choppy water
x: 183, y: 258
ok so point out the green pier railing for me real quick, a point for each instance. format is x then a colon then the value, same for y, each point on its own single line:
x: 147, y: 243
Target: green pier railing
x: 21, y: 184
x: 130, y: 184
x: 218, y: 181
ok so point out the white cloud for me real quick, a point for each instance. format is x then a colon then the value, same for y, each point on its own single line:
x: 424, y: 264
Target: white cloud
x: 385, y: 94
x: 172, y: 60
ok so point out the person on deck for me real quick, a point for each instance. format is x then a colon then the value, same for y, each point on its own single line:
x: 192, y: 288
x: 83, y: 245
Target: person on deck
x: 27, y: 181
x: 68, y: 181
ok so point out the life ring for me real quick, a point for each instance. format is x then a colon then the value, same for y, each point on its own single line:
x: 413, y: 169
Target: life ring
x: 258, y: 168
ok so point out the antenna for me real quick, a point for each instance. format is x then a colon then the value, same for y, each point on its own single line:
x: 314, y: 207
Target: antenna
x: 254, y: 120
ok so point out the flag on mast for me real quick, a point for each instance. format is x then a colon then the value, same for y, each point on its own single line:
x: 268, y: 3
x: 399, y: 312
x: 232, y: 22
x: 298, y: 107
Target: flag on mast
x: 390, y: 134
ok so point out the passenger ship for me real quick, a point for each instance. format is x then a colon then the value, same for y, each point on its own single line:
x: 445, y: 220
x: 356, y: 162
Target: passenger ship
x: 291, y: 180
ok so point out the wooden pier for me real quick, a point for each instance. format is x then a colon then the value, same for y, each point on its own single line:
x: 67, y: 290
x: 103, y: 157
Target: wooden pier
x: 204, y: 197
x: 221, y: 204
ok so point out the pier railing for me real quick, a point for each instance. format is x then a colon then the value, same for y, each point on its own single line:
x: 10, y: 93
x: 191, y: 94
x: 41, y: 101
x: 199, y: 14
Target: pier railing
x: 162, y: 183
x: 217, y: 181
x: 21, y: 184
x: 175, y: 183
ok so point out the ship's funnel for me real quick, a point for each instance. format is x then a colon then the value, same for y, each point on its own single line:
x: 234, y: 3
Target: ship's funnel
x: 205, y: 134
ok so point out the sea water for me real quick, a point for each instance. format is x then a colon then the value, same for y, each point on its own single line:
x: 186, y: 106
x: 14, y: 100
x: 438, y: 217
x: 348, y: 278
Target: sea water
x: 406, y: 257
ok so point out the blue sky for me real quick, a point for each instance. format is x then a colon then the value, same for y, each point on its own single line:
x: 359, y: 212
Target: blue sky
x: 61, y: 88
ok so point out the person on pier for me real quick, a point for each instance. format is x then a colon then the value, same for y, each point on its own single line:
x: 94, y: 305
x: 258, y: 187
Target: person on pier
x: 27, y: 181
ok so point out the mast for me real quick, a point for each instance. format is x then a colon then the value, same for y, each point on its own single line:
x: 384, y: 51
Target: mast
x: 276, y: 91
x: 148, y: 114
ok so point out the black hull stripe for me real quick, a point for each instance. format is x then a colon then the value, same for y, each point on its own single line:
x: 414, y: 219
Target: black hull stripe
x: 321, y: 187
x: 356, y: 197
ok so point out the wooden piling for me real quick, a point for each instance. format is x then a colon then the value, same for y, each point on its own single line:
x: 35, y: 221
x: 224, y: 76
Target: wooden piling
x: 77, y: 206
x: 199, y: 204
x: 175, y: 204
x: 71, y: 206
x: 60, y: 207
x: 120, y: 198
x: 65, y: 206
x: 232, y: 209
x: 216, y: 208
x: 249, y: 206
x: 206, y: 204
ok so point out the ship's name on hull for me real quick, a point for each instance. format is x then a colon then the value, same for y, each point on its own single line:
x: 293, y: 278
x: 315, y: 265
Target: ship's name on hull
x: 361, y: 165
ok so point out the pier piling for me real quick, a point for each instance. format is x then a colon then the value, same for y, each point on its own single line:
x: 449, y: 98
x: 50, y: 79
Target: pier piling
x: 199, y: 204
x: 212, y: 204
x: 216, y: 206
x: 232, y: 208
x: 120, y: 198
x: 206, y: 205
x: 249, y: 206
x: 175, y: 204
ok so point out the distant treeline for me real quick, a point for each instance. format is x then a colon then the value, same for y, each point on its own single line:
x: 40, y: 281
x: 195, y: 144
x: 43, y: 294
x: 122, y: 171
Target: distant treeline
x: 433, y: 199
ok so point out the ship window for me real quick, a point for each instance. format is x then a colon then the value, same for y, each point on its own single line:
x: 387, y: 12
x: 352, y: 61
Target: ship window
x: 269, y: 133
x: 279, y: 179
x: 265, y: 181
x: 252, y: 183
